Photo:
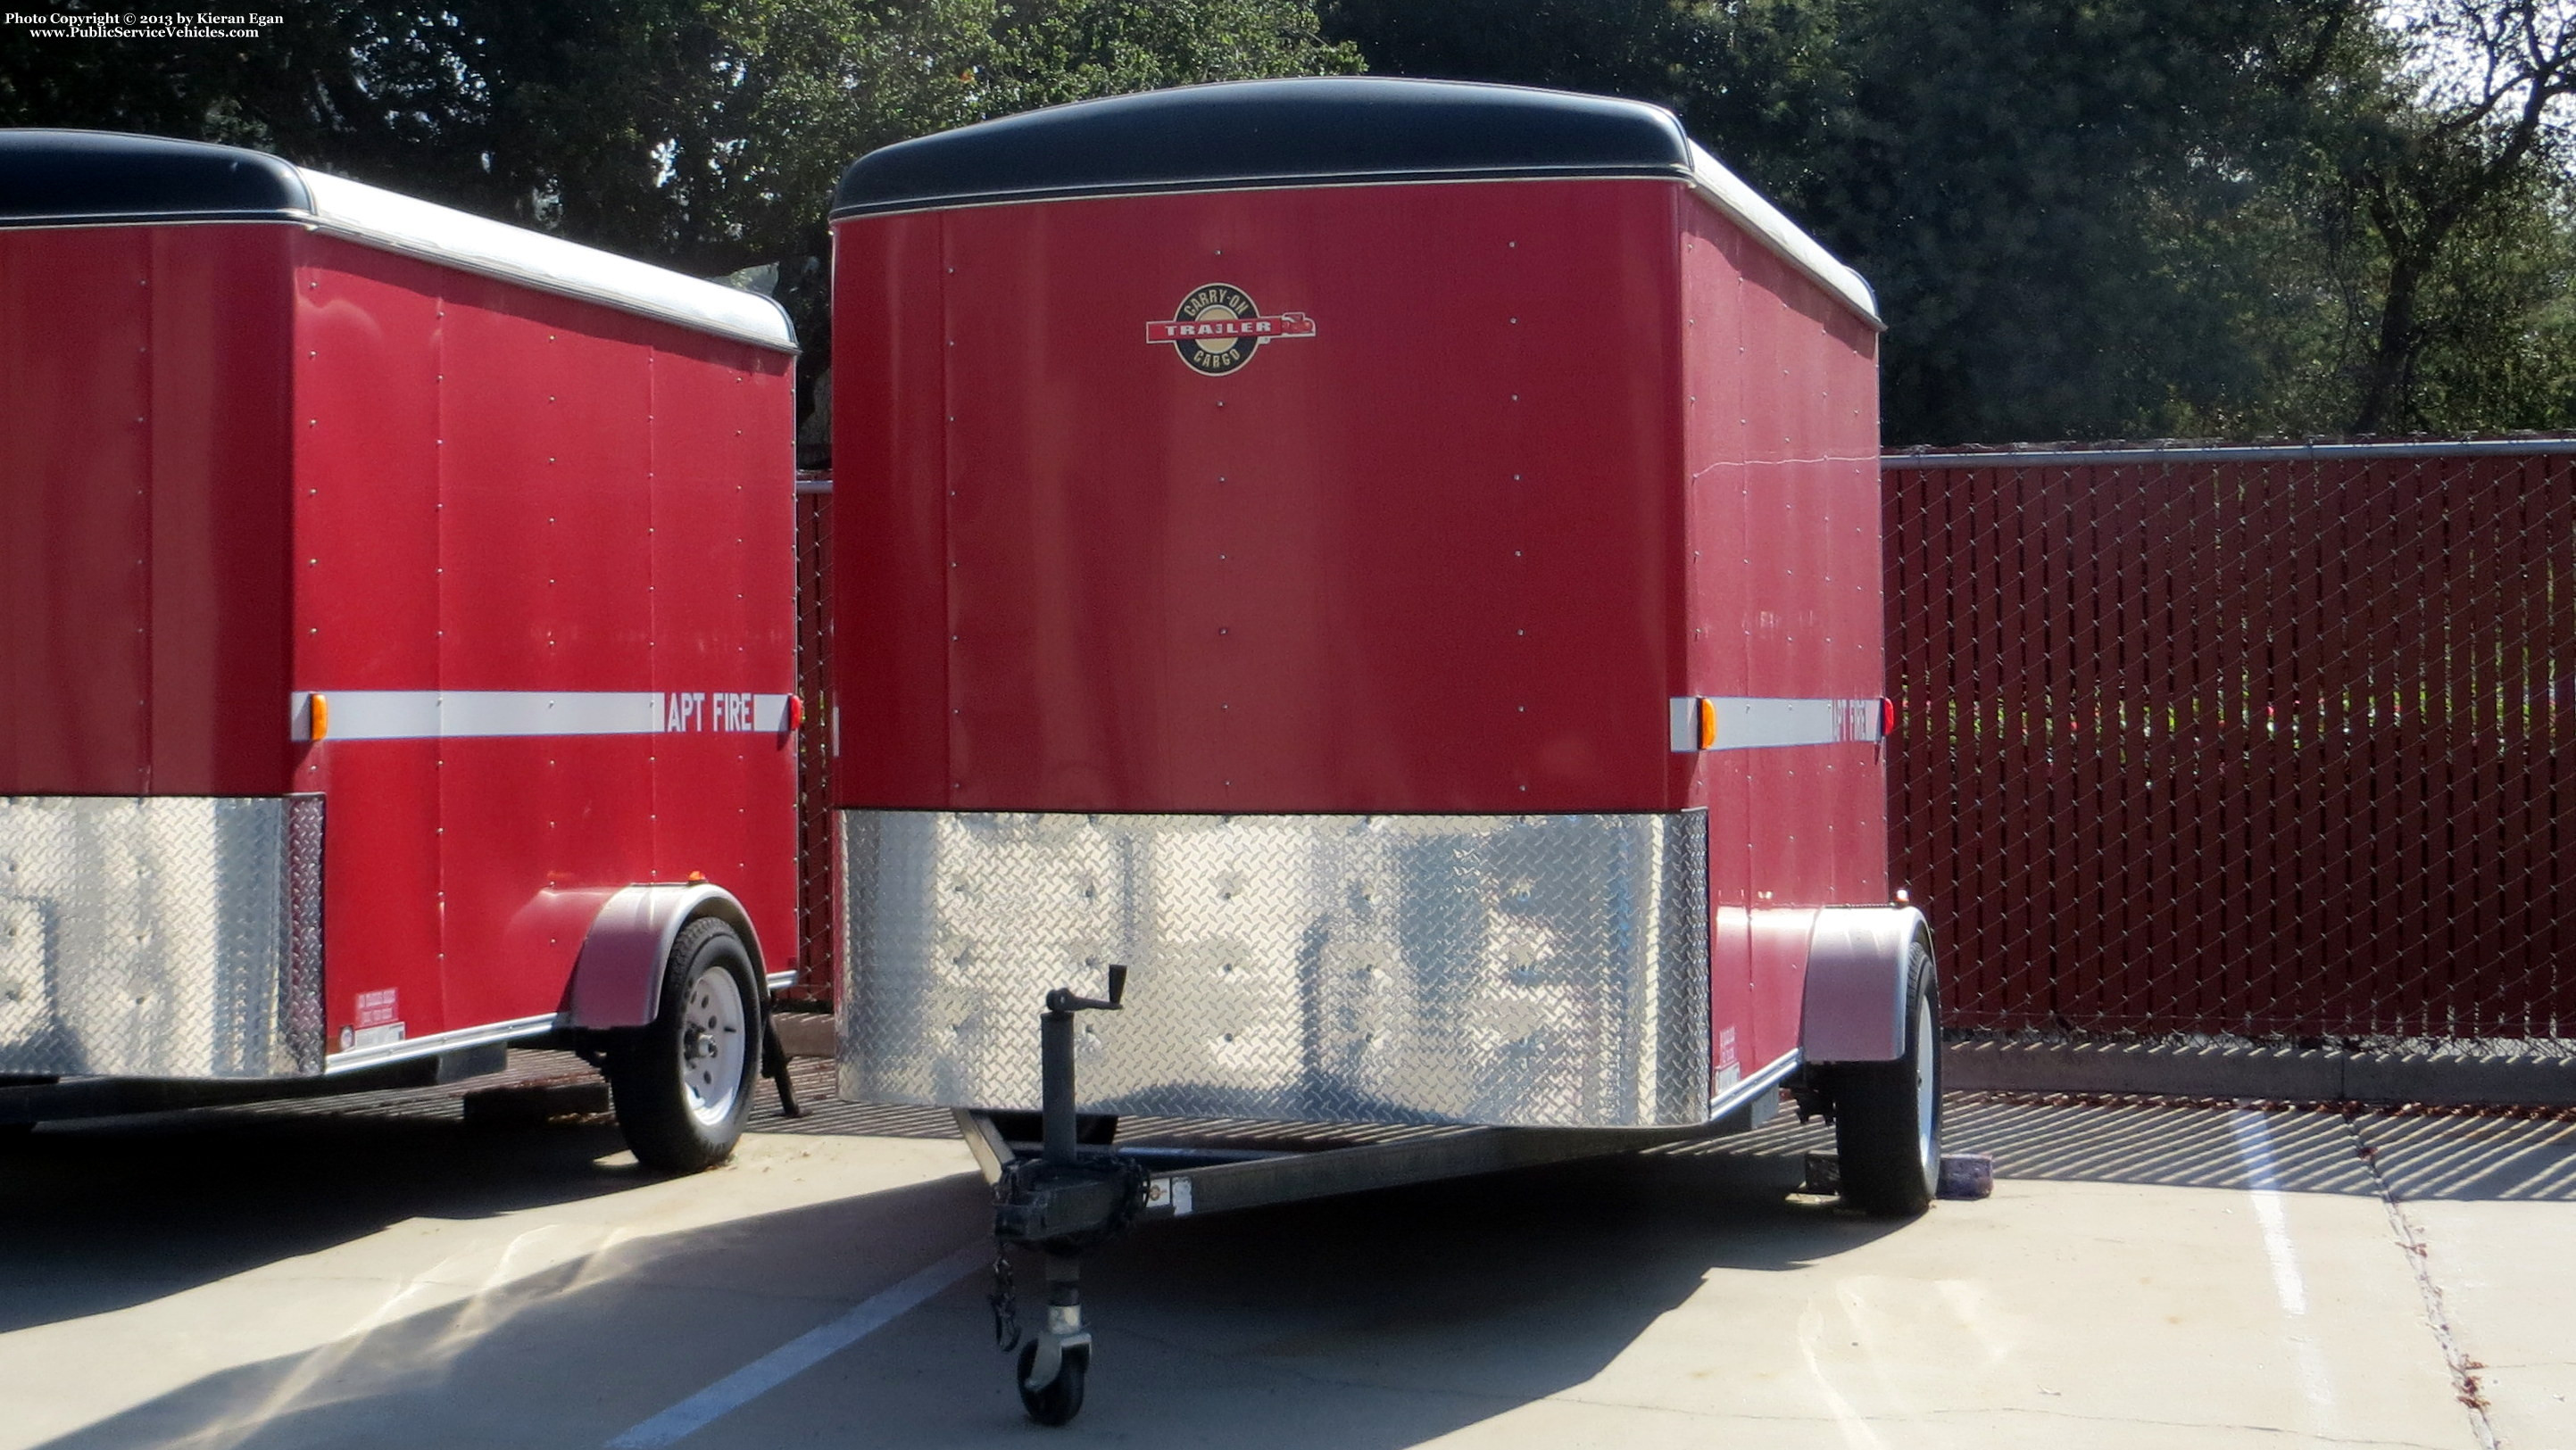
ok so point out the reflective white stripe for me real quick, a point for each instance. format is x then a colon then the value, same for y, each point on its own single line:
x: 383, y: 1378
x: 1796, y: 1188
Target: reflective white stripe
x: 1756, y: 722
x: 458, y: 714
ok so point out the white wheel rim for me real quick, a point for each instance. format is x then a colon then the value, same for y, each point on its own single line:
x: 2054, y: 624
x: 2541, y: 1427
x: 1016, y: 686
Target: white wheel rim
x: 1927, y: 1095
x: 712, y: 1023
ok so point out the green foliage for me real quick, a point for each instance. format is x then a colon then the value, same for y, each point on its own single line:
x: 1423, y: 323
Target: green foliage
x: 1048, y: 54
x: 2083, y: 217
x: 2096, y: 218
x: 702, y: 134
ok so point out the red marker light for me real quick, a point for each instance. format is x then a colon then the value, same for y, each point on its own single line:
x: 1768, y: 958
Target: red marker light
x: 795, y: 713
x: 1886, y: 717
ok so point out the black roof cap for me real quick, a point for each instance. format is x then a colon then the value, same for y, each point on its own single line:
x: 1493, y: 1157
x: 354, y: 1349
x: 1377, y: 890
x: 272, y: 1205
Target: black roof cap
x: 1270, y: 133
x: 70, y: 176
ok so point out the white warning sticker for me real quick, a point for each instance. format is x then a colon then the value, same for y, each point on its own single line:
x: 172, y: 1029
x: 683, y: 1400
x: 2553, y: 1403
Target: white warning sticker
x: 1172, y: 1193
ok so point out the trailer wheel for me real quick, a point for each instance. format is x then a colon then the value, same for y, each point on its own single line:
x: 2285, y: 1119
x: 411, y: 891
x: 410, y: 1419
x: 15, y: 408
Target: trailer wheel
x: 1887, y: 1115
x: 683, y: 1083
x: 1060, y: 1399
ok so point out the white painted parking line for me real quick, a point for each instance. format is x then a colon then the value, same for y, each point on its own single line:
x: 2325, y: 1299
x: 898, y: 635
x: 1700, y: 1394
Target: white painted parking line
x: 2263, y: 1186
x: 799, y: 1354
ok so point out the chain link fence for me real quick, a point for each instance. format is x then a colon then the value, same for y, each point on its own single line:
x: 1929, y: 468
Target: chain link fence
x: 816, y: 910
x: 2270, y: 743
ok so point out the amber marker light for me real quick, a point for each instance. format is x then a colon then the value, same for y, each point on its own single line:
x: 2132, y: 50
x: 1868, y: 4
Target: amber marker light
x: 1707, y: 723
x: 321, y: 716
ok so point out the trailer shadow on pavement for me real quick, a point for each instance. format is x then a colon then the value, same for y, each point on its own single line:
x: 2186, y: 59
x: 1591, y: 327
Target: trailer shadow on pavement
x: 213, y: 1196
x: 1500, y: 1290
x: 562, y: 1298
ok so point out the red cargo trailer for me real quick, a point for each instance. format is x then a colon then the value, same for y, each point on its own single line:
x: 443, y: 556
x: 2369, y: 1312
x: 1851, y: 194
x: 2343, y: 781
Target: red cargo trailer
x: 1397, y: 564
x: 398, y: 645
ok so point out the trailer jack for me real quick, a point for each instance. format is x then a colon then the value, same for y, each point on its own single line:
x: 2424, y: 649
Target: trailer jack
x: 1062, y: 1203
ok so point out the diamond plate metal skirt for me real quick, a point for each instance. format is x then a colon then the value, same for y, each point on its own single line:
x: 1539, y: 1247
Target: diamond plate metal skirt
x: 160, y: 936
x: 1502, y: 970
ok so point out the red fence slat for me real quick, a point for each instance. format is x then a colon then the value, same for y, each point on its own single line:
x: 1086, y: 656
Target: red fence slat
x: 2245, y: 742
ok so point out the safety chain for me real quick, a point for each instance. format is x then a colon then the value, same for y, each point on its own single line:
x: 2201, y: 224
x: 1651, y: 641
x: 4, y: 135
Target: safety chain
x: 1005, y: 1300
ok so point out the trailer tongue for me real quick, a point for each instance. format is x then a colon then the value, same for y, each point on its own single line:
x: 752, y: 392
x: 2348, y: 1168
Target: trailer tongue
x: 1066, y: 1200
x: 1396, y: 564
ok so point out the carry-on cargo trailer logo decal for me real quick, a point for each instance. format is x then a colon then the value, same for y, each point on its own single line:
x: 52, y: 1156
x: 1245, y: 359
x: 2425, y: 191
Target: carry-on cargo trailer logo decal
x: 1217, y: 328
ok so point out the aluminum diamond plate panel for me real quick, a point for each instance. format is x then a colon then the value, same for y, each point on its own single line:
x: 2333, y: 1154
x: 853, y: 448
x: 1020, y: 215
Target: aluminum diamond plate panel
x: 1505, y: 970
x: 160, y: 936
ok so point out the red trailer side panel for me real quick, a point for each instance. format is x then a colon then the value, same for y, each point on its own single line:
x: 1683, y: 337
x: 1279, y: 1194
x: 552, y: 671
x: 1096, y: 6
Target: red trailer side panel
x: 142, y: 506
x: 890, y: 351
x: 1784, y: 590
x: 1417, y: 561
x: 368, y: 335
x: 600, y: 505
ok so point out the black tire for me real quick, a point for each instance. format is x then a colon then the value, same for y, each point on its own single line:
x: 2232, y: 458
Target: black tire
x: 1061, y: 1399
x: 669, y: 1079
x: 1887, y: 1127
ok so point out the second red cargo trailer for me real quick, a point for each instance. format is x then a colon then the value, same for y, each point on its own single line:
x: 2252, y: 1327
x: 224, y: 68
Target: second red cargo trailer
x: 396, y: 644
x: 1397, y: 565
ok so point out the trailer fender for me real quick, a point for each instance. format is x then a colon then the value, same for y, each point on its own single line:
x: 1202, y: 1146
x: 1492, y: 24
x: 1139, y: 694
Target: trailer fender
x: 1855, y: 999
x: 617, y: 981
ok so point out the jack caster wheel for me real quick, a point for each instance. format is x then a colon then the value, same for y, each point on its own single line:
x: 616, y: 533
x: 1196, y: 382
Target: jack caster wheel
x: 1060, y: 1399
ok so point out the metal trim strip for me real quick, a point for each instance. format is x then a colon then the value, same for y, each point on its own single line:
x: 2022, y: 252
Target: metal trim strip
x: 437, y: 1042
x: 1719, y: 187
x: 1747, y: 1089
x: 483, y: 714
x: 663, y: 299
x: 1222, y: 185
x: 1785, y: 239
x: 478, y: 244
x: 1288, y: 1177
x: 2227, y: 453
x: 1763, y: 722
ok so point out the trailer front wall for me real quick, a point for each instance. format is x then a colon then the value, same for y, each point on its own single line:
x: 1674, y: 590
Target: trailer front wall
x: 1421, y: 561
x: 143, y: 512
x: 1554, y: 453
x: 571, y: 508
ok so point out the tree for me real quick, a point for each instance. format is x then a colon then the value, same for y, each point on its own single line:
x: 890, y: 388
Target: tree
x: 2114, y: 217
x: 2083, y: 217
x: 2007, y: 173
x: 704, y: 135
x: 2448, y: 160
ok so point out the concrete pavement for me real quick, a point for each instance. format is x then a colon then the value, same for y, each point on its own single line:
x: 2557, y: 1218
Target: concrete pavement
x: 2143, y: 1276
